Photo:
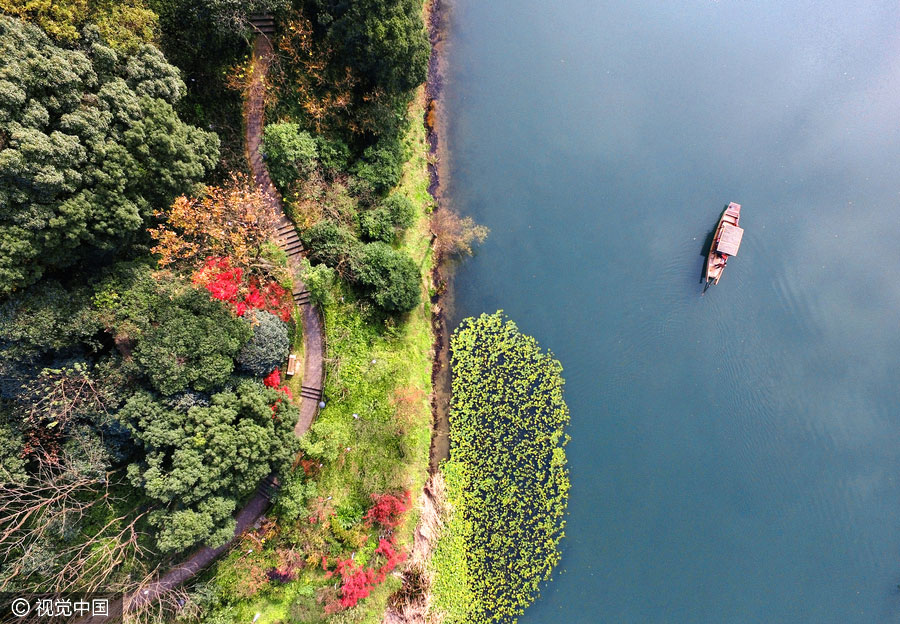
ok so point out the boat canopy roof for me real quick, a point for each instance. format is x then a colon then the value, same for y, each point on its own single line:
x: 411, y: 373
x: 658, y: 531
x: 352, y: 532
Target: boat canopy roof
x: 733, y: 210
x: 730, y: 240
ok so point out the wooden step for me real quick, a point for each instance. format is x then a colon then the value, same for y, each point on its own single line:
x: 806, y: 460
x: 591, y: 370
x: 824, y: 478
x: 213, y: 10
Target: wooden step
x: 265, y: 25
x: 308, y: 392
x: 268, y: 487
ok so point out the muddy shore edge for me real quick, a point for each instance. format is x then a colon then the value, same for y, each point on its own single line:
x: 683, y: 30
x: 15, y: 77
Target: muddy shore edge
x: 436, y: 21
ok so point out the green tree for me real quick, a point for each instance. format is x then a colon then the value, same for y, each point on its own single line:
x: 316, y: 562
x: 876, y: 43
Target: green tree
x: 329, y: 243
x: 269, y: 345
x: 384, y: 39
x: 201, y: 463
x: 290, y: 153
x: 192, y: 342
x: 61, y: 19
x: 89, y: 146
x: 401, y: 210
x: 388, y: 277
x: 320, y: 281
x: 43, y: 325
x: 124, y: 24
x: 384, y: 223
x: 376, y: 225
x: 382, y: 164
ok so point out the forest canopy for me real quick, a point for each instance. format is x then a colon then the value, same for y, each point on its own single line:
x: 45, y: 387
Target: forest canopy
x: 90, y: 146
x: 125, y: 25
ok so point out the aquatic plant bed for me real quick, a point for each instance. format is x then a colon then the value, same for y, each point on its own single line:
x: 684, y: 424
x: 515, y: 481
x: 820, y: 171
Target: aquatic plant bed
x: 507, y: 481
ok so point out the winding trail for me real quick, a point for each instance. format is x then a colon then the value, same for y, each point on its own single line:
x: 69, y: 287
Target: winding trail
x: 288, y: 240
x: 313, y: 331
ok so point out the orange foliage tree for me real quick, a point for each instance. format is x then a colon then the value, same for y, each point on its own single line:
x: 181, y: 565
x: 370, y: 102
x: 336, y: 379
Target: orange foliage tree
x: 231, y: 221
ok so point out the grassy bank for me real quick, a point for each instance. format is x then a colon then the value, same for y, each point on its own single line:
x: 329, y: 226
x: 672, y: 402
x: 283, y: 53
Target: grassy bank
x: 372, y: 437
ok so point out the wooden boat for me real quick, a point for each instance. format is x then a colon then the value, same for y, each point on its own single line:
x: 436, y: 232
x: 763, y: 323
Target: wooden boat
x: 725, y: 243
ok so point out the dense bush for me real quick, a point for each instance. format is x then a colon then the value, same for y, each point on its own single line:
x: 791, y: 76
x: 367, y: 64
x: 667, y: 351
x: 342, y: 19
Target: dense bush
x: 388, y: 277
x: 382, y: 165
x: 328, y: 243
x: 333, y: 154
x: 376, y: 225
x: 50, y: 318
x: 395, y: 214
x: 199, y: 465
x: 290, y: 153
x: 384, y: 40
x: 293, y: 496
x: 191, y: 342
x: 268, y: 347
x: 320, y: 281
x: 401, y: 210
x: 12, y: 444
x: 507, y: 476
x: 91, y: 145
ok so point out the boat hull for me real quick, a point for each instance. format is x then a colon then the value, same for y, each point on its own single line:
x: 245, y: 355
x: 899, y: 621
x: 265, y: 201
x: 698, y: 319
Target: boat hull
x: 715, y: 260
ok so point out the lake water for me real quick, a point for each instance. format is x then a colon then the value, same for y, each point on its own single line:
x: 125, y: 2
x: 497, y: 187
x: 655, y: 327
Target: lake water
x: 735, y: 456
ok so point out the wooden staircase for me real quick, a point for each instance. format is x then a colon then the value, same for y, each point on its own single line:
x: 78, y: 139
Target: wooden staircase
x: 268, y: 487
x: 263, y: 23
x: 288, y: 240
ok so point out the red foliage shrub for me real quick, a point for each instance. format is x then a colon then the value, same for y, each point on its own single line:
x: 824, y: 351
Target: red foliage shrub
x: 228, y: 284
x: 393, y: 557
x: 273, y: 380
x: 289, y: 563
x: 387, y: 510
x: 358, y: 582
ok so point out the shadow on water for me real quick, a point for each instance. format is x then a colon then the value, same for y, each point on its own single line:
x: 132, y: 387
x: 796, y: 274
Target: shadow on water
x: 704, y: 250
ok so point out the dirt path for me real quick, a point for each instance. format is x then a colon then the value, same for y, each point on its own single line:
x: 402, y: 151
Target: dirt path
x: 313, y: 334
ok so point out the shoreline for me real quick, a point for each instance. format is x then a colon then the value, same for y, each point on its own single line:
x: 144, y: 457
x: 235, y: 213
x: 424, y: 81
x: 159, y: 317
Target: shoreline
x: 436, y: 14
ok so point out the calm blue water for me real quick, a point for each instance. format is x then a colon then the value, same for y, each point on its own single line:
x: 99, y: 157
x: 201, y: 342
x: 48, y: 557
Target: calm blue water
x: 736, y: 456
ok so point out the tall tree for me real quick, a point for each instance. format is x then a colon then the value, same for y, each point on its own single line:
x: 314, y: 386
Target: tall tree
x: 124, y: 24
x: 191, y: 342
x: 198, y: 464
x: 233, y: 221
x: 384, y: 39
x: 89, y: 146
